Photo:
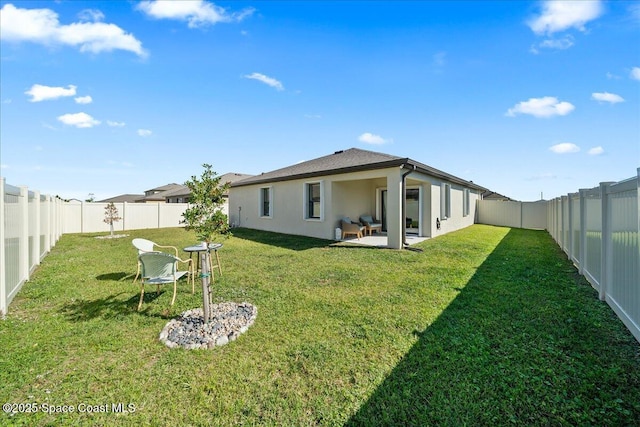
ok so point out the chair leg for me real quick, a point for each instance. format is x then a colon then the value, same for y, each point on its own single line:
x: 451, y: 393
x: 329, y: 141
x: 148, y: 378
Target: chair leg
x: 174, y: 291
x: 217, y: 265
x: 141, y: 296
x: 137, y: 274
x: 192, y: 273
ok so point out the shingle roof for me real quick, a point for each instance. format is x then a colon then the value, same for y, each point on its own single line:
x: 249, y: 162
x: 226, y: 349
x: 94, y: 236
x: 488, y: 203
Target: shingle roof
x: 344, y: 161
x: 183, y: 190
x: 129, y: 198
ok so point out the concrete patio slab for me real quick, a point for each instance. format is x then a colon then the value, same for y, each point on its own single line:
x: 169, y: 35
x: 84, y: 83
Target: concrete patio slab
x: 380, y: 240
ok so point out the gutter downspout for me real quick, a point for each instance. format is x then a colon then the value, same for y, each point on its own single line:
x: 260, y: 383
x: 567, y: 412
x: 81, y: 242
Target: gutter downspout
x: 403, y: 213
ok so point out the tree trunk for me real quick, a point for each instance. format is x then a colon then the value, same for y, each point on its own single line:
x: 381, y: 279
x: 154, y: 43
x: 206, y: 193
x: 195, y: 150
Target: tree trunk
x: 207, y: 294
x: 111, y: 227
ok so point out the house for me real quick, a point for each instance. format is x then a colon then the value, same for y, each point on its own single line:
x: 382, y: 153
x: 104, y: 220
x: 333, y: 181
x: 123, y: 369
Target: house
x: 182, y: 193
x: 157, y: 195
x: 310, y: 198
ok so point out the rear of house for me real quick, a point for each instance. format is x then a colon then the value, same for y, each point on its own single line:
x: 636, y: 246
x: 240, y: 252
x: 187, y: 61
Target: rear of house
x: 311, y: 198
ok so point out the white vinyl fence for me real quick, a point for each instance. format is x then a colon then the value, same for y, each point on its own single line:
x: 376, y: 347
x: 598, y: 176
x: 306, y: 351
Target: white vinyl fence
x: 31, y: 224
x: 531, y: 215
x: 84, y: 217
x: 598, y: 229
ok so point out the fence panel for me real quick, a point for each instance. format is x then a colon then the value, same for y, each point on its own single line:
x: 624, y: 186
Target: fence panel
x: 599, y: 230
x: 623, y: 290
x: 72, y: 217
x: 13, y: 245
x: 574, y: 227
x: 532, y: 215
x: 593, y: 234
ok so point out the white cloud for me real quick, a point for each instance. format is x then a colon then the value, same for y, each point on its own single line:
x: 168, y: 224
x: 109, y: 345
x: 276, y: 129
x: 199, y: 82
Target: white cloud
x: 92, y: 15
x: 560, y: 44
x: 115, y: 124
x: 542, y: 176
x: 635, y: 73
x: 196, y: 13
x: 83, y: 100
x: 42, y: 26
x: 266, y: 80
x: 547, y: 106
x: 79, y: 120
x: 562, y: 15
x: 596, y: 151
x: 564, y: 148
x: 607, y: 97
x: 144, y: 132
x: 370, y: 138
x: 42, y: 93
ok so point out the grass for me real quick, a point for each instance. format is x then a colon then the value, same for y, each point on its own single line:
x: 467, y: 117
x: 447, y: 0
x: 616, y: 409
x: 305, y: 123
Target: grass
x: 486, y: 326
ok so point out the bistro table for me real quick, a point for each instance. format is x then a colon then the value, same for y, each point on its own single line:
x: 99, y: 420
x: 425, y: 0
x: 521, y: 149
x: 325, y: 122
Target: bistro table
x: 201, y: 248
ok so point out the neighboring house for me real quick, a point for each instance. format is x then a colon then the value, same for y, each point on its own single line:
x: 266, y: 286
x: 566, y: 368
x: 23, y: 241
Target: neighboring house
x: 157, y: 195
x: 178, y: 195
x: 492, y: 195
x: 311, y: 197
x: 182, y: 193
x: 129, y: 198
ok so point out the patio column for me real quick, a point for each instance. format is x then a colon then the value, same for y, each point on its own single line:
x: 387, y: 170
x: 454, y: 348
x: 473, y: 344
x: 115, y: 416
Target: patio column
x: 394, y: 209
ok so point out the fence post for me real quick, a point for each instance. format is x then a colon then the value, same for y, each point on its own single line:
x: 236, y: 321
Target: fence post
x: 47, y: 231
x: 583, y: 230
x: 82, y: 216
x: 23, y: 239
x: 36, y: 232
x: 570, y: 226
x: 565, y: 225
x: 124, y: 216
x: 3, y: 278
x: 605, y: 242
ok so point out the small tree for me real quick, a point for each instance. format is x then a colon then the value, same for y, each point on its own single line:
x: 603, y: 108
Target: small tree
x: 204, y: 215
x: 111, y: 215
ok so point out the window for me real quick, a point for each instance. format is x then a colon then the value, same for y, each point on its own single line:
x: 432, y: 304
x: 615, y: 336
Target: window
x: 313, y: 207
x: 265, y: 202
x: 466, y: 201
x: 445, y: 201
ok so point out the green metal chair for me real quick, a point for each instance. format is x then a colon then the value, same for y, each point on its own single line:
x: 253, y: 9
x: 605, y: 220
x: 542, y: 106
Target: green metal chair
x: 158, y: 268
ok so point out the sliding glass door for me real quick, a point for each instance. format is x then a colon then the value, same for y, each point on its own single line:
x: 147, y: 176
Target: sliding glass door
x: 412, y: 214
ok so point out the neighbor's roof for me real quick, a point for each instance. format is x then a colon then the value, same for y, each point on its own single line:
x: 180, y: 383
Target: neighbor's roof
x: 345, y: 161
x: 129, y: 198
x: 492, y: 195
x: 183, y: 190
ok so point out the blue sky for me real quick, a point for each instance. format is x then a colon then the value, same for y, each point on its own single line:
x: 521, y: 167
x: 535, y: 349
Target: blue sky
x: 114, y: 97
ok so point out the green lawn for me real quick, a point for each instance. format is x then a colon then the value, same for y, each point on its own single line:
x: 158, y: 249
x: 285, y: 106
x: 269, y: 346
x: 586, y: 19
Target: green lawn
x: 486, y: 326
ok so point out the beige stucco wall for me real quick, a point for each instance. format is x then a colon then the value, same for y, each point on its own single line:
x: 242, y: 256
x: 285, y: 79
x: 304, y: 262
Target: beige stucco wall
x: 352, y: 195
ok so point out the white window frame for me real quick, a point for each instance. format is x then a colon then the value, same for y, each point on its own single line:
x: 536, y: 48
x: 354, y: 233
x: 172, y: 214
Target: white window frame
x: 305, y: 201
x: 261, y: 202
x: 445, y: 201
x: 466, y: 202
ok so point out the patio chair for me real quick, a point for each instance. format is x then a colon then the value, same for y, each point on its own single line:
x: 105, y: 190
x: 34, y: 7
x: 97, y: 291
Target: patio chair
x: 351, y: 228
x: 371, y: 224
x: 159, y: 268
x: 144, y: 245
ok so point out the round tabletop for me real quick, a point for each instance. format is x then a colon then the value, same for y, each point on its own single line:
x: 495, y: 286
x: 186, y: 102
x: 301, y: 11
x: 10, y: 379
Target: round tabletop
x: 200, y: 248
